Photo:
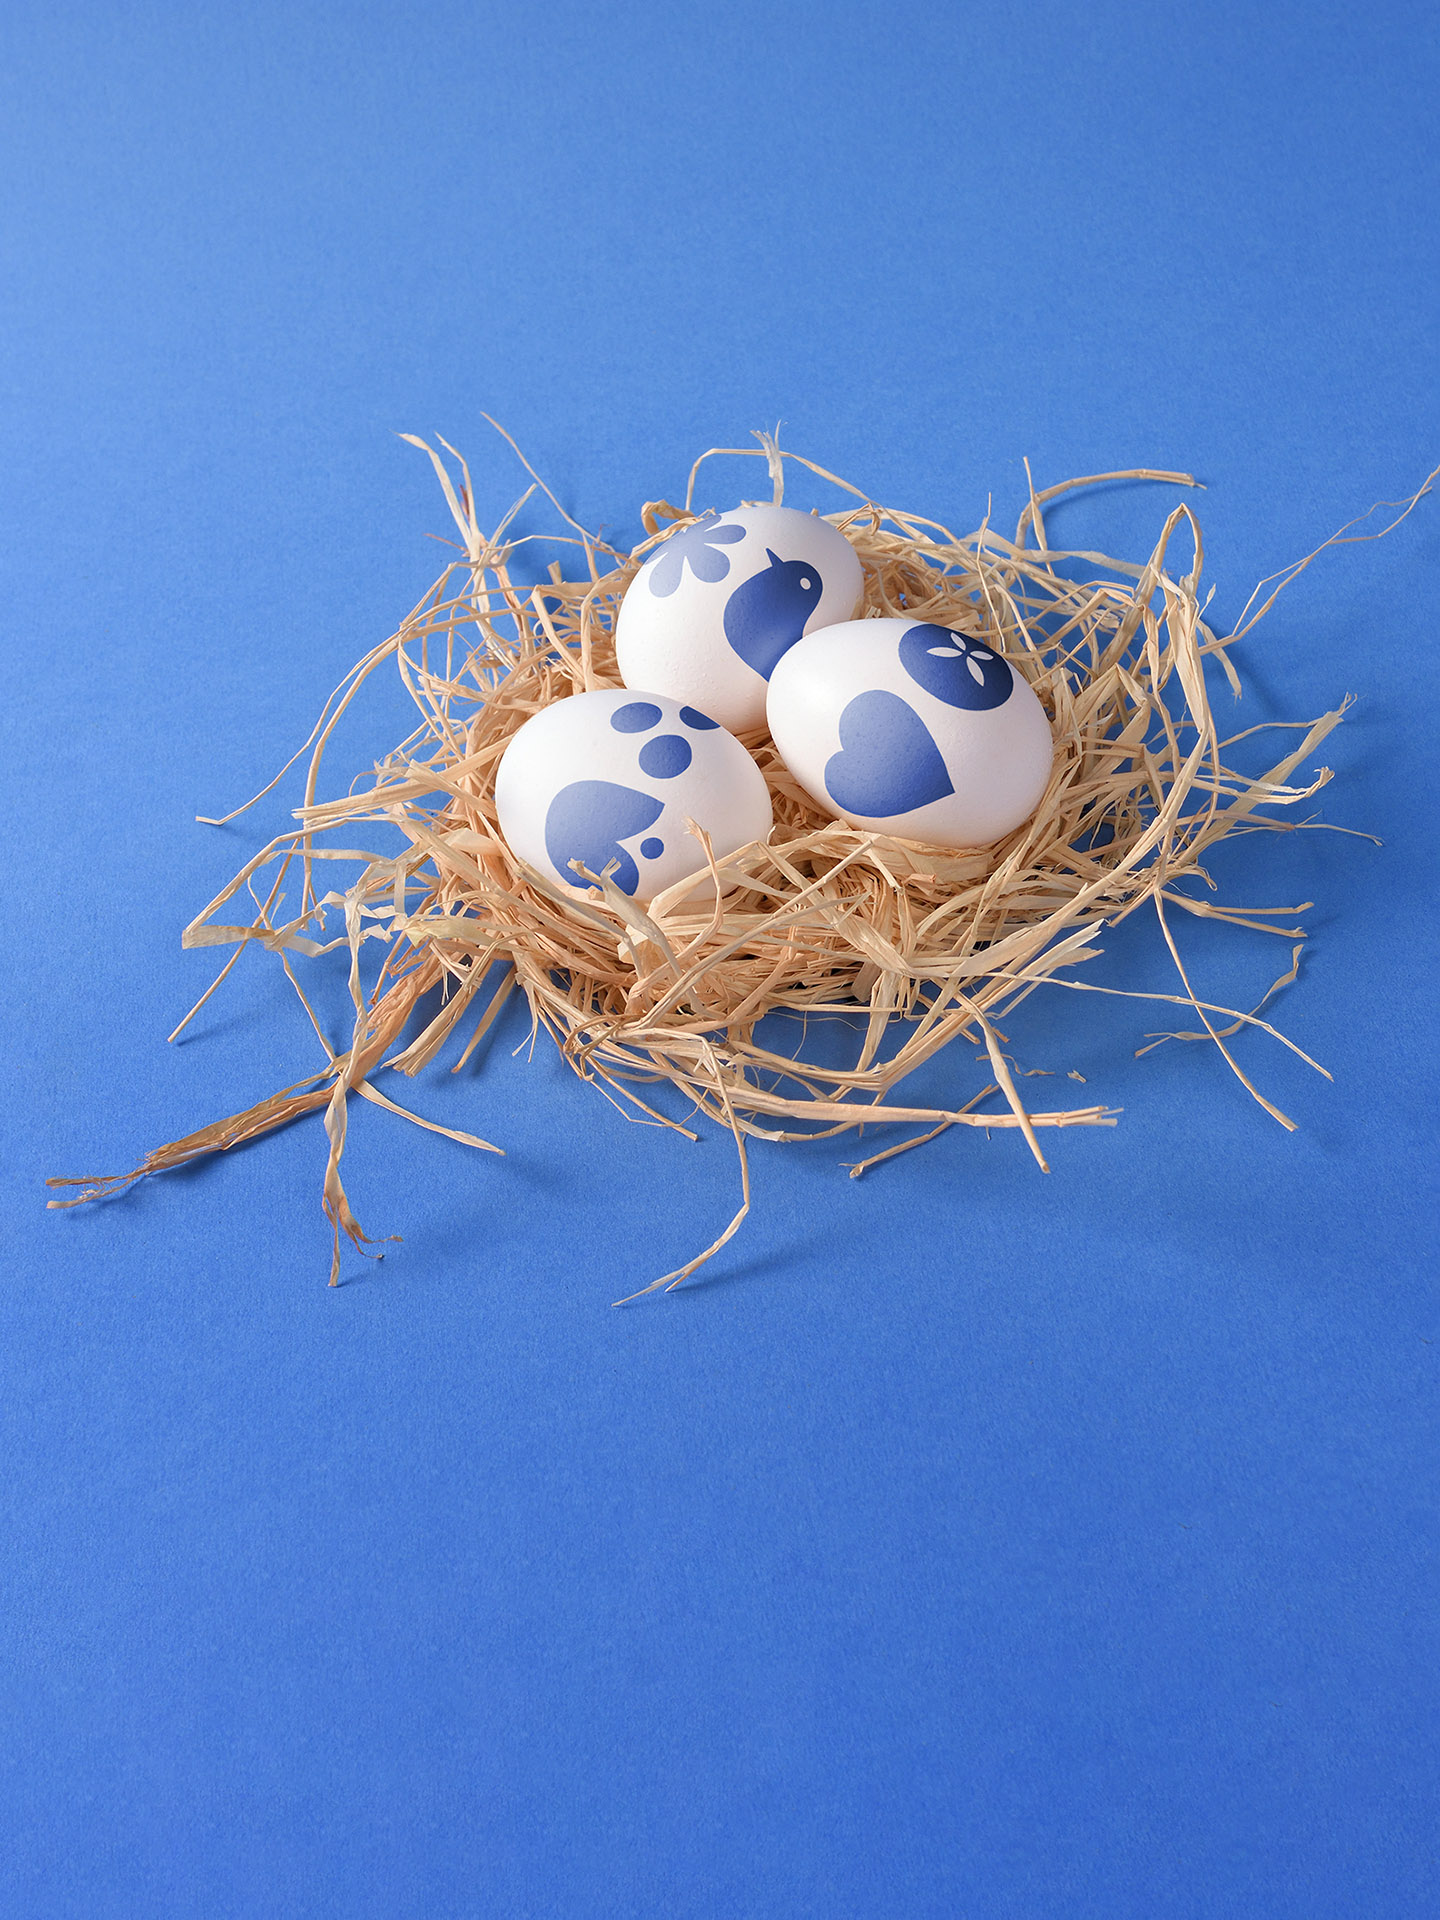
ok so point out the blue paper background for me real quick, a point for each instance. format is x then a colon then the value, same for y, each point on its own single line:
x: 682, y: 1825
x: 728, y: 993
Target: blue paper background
x: 970, y: 1542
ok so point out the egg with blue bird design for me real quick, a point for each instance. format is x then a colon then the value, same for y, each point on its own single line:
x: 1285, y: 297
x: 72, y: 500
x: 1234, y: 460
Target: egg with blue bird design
x: 610, y: 778
x: 718, y: 604
x: 916, y: 729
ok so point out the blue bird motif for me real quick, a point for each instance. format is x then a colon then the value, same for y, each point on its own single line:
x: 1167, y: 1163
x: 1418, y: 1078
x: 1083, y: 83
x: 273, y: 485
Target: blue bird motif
x: 766, y: 614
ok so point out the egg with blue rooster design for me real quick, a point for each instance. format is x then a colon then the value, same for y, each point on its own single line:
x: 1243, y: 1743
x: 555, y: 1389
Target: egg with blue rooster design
x: 916, y: 729
x: 609, y: 778
x: 719, y: 602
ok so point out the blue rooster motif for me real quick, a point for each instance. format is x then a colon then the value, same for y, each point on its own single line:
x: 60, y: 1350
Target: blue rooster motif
x: 766, y: 614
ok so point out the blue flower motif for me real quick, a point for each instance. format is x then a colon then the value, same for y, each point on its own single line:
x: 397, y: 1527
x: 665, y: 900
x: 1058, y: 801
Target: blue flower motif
x: 697, y: 544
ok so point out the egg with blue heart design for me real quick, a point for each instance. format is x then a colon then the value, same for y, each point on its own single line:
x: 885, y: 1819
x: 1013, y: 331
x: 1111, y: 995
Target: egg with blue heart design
x: 919, y: 730
x: 719, y: 602
x: 610, y: 778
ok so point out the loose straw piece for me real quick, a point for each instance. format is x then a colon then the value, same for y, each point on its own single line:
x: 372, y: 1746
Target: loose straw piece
x: 923, y: 945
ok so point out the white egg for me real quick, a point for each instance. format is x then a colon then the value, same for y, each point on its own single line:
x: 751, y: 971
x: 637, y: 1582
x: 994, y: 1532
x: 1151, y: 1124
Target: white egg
x: 612, y: 776
x: 717, y: 604
x: 916, y: 729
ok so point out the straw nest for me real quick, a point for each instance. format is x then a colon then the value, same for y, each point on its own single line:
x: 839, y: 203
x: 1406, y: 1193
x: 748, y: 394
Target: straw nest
x: 918, y: 946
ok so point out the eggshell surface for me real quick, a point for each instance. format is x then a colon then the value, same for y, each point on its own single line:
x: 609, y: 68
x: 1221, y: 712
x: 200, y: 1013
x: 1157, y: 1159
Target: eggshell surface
x: 612, y: 776
x: 718, y: 604
x: 916, y: 729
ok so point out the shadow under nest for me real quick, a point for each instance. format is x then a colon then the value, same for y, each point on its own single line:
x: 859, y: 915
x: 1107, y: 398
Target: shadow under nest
x: 926, y: 944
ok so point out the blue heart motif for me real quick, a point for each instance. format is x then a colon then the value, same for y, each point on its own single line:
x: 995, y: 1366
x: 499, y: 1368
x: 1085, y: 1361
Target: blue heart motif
x: 587, y: 821
x: 888, y: 763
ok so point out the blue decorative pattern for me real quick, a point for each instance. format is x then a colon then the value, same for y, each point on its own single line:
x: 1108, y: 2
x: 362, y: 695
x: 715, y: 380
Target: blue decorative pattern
x: 766, y: 614
x: 955, y: 668
x: 664, y: 757
x: 587, y: 821
x: 887, y: 763
x: 696, y: 545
